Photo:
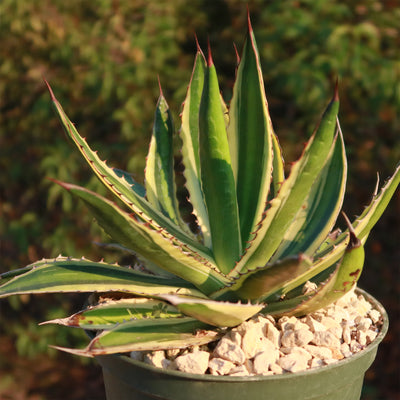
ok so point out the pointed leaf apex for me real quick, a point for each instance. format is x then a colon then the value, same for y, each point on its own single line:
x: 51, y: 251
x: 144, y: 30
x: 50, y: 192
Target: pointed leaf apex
x: 53, y: 98
x: 210, y: 61
x: 159, y: 86
x: 237, y: 54
x: 248, y: 20
x: 336, y: 92
x: 197, y: 43
x: 354, y: 241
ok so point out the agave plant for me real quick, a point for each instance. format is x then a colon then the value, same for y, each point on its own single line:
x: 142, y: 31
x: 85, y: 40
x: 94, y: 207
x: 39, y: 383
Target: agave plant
x: 260, y: 238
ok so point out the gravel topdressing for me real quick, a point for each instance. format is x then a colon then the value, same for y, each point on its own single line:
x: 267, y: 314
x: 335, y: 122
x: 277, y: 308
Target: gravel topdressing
x: 265, y: 346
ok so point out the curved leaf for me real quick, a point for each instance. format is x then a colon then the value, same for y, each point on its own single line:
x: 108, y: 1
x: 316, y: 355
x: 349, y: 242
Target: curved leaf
x: 80, y: 275
x: 159, y: 172
x: 121, y: 184
x: 319, y: 212
x: 148, y: 334
x: 211, y: 312
x: 152, y: 242
x: 108, y: 314
x: 292, y: 193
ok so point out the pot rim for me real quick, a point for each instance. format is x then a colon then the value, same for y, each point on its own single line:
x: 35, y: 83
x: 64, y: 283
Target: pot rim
x: 309, y: 372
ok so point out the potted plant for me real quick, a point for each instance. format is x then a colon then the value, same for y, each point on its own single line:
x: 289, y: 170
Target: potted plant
x: 260, y: 240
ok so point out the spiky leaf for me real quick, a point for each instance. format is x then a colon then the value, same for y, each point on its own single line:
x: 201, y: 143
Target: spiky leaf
x: 148, y: 334
x: 216, y: 313
x: 217, y: 175
x: 110, y: 313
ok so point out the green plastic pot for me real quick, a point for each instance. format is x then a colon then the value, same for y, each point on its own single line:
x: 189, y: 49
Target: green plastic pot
x: 127, y: 379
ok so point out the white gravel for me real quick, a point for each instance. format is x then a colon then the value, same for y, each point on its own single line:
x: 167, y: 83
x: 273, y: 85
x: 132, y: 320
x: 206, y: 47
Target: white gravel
x: 263, y: 346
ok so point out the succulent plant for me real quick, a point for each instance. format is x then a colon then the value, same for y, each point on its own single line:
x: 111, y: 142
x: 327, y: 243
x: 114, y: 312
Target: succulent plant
x: 262, y: 243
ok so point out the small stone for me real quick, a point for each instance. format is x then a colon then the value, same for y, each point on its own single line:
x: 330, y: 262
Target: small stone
x: 296, y: 338
x: 346, y: 299
x: 363, y: 324
x: 375, y: 316
x: 262, y: 361
x: 248, y: 364
x: 288, y: 338
x: 303, y: 337
x: 299, y: 325
x: 345, y: 350
x: 236, y: 338
x: 276, y: 369
x: 317, y: 362
x: 239, y: 370
x: 300, y: 351
x: 315, y: 325
x: 156, y: 358
x: 293, y: 362
x: 319, y: 351
x: 355, y: 347
x: 287, y: 322
x: 332, y: 325
x: 273, y: 334
x: 346, y: 333
x: 371, y: 335
x: 219, y: 366
x: 337, y: 354
x: 253, y: 341
x: 327, y: 339
x: 230, y: 351
x: 338, y: 313
x: 195, y: 363
x: 271, y: 319
x: 172, y: 353
x: 362, y: 338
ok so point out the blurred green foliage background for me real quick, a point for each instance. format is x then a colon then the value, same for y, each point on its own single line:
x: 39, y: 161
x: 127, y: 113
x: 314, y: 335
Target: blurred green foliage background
x: 102, y: 59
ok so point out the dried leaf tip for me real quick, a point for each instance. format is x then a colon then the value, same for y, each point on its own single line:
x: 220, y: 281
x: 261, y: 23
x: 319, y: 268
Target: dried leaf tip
x: 53, y: 98
x: 248, y: 20
x: 237, y: 55
x: 210, y: 61
x: 354, y: 241
x: 336, y: 91
x: 197, y: 44
x: 159, y: 86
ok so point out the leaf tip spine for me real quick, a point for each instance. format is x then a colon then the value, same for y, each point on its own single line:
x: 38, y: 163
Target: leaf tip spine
x: 336, y: 91
x: 210, y: 61
x: 248, y: 20
x: 53, y: 98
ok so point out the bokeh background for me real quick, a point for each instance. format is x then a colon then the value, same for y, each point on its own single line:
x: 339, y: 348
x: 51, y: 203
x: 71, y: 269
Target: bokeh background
x: 102, y: 59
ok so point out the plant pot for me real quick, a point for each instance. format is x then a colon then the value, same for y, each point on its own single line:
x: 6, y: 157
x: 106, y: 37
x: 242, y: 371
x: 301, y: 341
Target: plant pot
x: 125, y: 378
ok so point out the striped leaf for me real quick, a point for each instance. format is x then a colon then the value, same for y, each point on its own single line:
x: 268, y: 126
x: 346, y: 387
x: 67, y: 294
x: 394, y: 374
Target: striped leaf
x: 108, y: 314
x: 189, y: 134
x: 148, y: 334
x: 292, y: 193
x: 250, y: 138
x: 67, y: 275
x: 217, y: 175
x: 151, y: 241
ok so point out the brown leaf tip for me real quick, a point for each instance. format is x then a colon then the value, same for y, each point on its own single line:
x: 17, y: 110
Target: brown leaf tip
x: 53, y: 98
x: 248, y: 20
x: 336, y: 91
x: 210, y: 61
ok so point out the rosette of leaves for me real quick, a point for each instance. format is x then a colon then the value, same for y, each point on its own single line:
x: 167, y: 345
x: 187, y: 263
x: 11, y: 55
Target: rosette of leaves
x: 261, y: 237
